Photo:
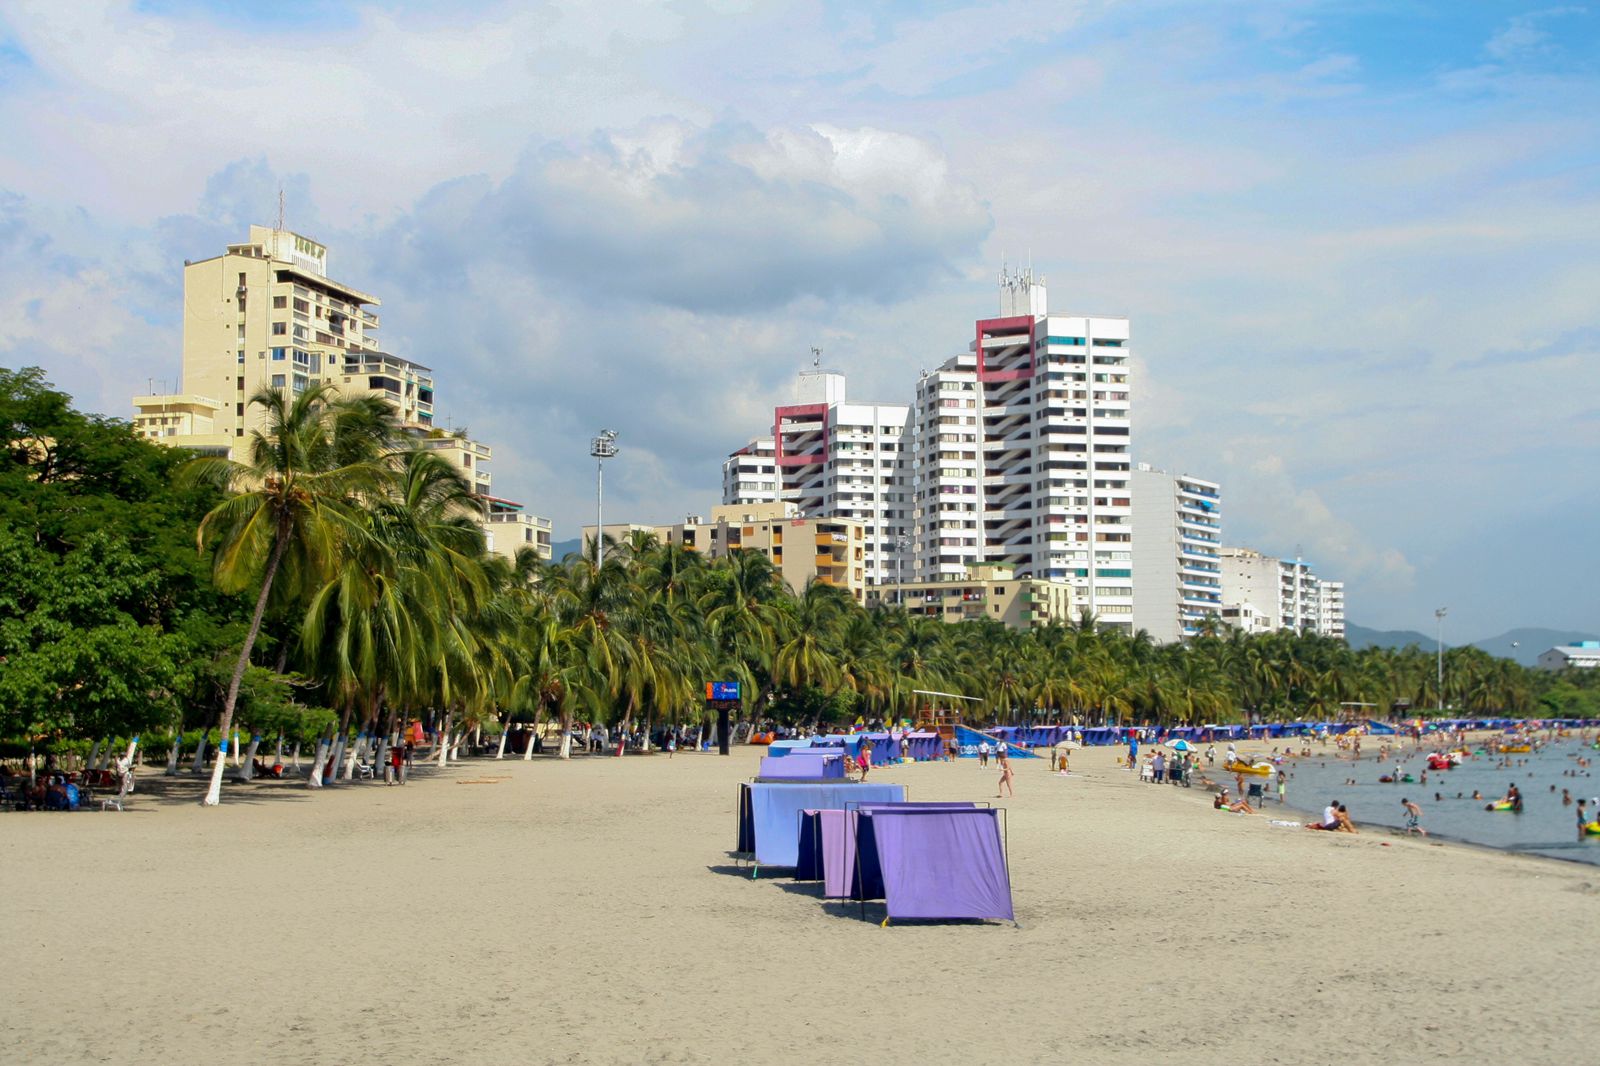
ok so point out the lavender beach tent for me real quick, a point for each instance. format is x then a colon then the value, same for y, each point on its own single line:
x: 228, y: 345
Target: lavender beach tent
x: 803, y: 766
x: 940, y: 863
x: 774, y: 812
x: 851, y: 869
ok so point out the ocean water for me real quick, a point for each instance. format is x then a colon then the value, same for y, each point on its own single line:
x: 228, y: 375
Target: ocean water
x: 1545, y: 826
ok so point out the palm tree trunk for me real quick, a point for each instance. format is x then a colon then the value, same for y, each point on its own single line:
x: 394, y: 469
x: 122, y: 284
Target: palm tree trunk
x: 200, y: 752
x: 565, y: 751
x: 314, y: 778
x: 247, y: 772
x: 444, y: 738
x: 214, y: 792
x: 172, y: 755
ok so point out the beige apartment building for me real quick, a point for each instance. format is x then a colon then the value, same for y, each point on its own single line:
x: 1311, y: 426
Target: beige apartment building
x: 265, y: 313
x: 988, y: 590
x: 829, y: 550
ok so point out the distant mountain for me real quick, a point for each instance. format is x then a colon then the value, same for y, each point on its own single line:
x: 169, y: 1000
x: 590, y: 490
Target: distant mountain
x: 1362, y: 637
x: 561, y: 548
x: 1530, y: 641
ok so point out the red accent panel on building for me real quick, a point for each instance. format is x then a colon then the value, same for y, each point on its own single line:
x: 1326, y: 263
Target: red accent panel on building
x: 1007, y: 327
x: 804, y: 410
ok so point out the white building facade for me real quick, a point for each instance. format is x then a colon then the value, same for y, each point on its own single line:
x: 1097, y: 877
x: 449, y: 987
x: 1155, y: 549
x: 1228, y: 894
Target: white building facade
x: 1177, y: 577
x: 832, y: 458
x: 1282, y: 593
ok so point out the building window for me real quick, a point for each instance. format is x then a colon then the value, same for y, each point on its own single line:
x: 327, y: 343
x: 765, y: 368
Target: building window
x: 280, y: 301
x: 277, y: 382
x: 280, y: 328
x: 278, y: 354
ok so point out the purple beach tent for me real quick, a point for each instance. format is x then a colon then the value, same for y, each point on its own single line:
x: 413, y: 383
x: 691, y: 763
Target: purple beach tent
x: 937, y: 862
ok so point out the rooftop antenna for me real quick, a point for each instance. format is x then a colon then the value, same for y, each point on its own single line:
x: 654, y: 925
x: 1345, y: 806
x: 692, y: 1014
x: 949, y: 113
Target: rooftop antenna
x: 816, y: 358
x: 279, y: 227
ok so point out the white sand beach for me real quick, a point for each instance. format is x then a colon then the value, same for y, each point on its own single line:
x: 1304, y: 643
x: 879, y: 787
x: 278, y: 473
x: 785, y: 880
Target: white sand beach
x: 513, y: 911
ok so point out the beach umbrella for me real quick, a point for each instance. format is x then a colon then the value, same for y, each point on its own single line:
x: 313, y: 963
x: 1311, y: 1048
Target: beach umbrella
x: 1180, y: 745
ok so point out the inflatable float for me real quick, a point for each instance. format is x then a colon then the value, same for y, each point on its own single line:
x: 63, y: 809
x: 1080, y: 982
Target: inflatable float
x: 1500, y: 806
x: 1592, y: 828
x: 1260, y: 769
x: 1517, y: 749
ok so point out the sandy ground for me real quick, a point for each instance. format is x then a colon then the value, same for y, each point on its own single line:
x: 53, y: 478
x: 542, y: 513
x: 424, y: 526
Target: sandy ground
x: 589, y: 912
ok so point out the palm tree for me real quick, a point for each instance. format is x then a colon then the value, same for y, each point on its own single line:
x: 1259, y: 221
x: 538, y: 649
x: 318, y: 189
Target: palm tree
x: 289, y: 509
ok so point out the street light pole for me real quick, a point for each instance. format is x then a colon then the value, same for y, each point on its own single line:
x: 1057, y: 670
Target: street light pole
x: 601, y: 448
x: 1439, y: 616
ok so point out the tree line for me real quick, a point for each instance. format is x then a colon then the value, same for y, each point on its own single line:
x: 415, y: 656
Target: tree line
x: 335, y: 578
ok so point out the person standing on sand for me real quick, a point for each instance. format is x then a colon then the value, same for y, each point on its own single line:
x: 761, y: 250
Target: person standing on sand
x: 983, y: 754
x: 1006, y: 777
x: 1283, y: 786
x: 1133, y: 752
x: 1413, y: 817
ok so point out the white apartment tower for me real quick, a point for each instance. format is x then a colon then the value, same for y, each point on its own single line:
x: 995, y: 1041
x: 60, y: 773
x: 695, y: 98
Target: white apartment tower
x: 1179, y: 584
x: 1035, y: 453
x: 749, y: 475
x: 1282, y: 594
x: 831, y: 458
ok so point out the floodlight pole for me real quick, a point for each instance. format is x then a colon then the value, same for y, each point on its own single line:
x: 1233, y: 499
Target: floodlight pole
x: 1439, y: 617
x: 601, y: 448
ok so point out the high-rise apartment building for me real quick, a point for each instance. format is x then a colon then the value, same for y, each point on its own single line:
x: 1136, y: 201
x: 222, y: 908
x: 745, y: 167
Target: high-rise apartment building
x: 265, y: 314
x: 1281, y: 593
x: 831, y: 458
x: 749, y: 475
x: 1035, y: 452
x: 1178, y: 580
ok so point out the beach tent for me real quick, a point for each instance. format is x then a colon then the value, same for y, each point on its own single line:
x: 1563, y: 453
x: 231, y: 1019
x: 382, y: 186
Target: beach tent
x: 828, y: 849
x: 885, y: 746
x: 924, y: 747
x: 938, y: 862
x: 769, y: 823
x: 810, y: 765
x: 779, y: 748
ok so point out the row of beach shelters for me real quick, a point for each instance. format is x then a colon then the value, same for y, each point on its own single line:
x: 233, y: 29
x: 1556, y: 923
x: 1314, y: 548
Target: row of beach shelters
x: 867, y: 842
x: 917, y: 745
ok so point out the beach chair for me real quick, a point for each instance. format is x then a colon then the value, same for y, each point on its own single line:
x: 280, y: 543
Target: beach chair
x: 364, y: 770
x: 123, y: 790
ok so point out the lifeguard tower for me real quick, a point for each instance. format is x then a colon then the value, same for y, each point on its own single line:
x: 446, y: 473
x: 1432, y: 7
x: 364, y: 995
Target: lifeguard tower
x: 939, y: 712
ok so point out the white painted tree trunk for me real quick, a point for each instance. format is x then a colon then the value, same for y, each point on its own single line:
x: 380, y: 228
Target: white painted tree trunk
x: 94, y: 757
x: 277, y: 756
x: 505, y: 732
x: 533, y: 735
x: 314, y: 779
x: 200, y: 755
x: 354, y: 756
x: 295, y: 757
x: 336, y: 757
x: 235, y: 749
x: 172, y: 756
x: 382, y: 764
x: 133, y: 747
x: 455, y: 747
x: 565, y: 751
x: 444, y: 741
x: 214, y: 790
x: 247, y: 771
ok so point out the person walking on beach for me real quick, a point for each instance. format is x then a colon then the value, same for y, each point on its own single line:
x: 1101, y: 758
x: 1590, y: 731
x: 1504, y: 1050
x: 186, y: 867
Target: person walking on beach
x: 1413, y: 817
x: 983, y: 754
x: 1005, y: 777
x: 1283, y: 786
x: 1133, y: 752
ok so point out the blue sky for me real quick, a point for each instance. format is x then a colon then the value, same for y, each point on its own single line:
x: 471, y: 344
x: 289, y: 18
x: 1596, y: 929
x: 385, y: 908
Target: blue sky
x: 1355, y: 240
